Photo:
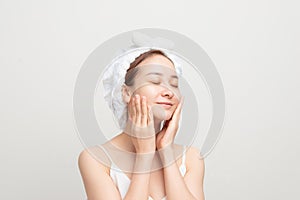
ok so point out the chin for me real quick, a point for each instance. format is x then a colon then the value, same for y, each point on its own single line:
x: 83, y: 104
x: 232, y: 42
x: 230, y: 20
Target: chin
x: 168, y: 115
x: 162, y: 114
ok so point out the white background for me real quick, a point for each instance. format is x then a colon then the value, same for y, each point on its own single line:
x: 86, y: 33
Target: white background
x: 254, y: 44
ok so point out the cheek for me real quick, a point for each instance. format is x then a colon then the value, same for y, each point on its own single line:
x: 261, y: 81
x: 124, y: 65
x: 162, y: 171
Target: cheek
x: 177, y: 94
x: 148, y: 91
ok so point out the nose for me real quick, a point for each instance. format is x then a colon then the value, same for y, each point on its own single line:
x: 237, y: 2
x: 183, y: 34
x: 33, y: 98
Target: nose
x: 167, y: 93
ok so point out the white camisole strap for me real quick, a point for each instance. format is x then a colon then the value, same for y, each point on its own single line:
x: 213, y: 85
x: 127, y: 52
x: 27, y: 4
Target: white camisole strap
x: 182, y: 167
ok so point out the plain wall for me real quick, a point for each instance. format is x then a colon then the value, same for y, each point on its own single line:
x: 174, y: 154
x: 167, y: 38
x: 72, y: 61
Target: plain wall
x: 255, y: 46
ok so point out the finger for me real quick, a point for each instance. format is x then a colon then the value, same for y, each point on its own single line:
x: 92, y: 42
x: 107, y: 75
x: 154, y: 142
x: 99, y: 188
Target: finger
x: 144, y: 112
x: 138, y: 110
x: 178, y: 110
x: 132, y: 105
x: 129, y: 109
x: 150, y: 114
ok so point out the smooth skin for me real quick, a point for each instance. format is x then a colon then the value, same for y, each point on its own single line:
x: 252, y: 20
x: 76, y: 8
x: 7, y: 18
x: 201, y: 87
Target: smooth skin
x: 157, y: 184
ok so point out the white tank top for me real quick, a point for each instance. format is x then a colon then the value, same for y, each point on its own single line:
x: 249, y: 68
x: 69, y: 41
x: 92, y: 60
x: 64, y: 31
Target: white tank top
x: 122, y: 181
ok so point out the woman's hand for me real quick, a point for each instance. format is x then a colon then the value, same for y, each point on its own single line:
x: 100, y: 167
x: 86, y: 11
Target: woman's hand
x: 166, y: 136
x: 140, y: 125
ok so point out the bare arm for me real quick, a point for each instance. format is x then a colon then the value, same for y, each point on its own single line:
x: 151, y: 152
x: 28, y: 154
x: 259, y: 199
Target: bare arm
x: 139, y: 186
x: 189, y: 187
x: 177, y: 188
x: 141, y: 124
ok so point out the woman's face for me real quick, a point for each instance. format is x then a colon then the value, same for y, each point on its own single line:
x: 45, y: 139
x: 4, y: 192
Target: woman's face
x: 158, y: 82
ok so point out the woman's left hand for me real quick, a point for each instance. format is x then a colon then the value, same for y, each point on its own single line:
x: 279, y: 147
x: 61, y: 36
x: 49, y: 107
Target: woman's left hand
x: 166, y: 136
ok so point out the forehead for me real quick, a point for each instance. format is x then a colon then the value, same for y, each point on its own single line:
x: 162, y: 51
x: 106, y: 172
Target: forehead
x: 156, y: 69
x: 158, y: 60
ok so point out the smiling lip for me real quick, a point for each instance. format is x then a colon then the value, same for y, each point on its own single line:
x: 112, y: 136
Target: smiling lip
x: 165, y: 103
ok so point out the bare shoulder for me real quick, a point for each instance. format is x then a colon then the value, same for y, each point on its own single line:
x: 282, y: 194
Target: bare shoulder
x: 93, y: 158
x: 95, y: 174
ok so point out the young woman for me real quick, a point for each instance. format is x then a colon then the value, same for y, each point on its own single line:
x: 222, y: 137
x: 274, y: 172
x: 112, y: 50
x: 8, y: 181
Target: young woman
x: 152, y: 97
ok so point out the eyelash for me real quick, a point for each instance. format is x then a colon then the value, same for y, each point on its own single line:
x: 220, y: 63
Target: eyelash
x: 158, y: 82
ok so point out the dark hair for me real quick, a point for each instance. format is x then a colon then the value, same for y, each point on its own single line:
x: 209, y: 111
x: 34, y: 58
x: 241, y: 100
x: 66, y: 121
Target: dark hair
x: 132, y: 70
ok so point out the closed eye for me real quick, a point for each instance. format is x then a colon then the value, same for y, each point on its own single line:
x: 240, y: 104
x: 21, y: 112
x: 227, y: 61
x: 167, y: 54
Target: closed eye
x: 155, y: 82
x: 174, y: 82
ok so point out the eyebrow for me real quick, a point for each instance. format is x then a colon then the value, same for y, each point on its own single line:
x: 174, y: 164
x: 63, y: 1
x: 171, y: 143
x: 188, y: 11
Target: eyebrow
x: 160, y: 74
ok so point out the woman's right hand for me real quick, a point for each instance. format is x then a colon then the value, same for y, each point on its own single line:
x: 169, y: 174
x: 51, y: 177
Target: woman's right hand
x: 140, y: 125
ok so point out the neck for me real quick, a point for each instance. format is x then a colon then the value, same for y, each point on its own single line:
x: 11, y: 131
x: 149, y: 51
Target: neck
x: 126, y: 142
